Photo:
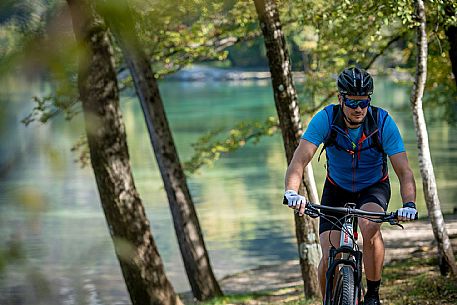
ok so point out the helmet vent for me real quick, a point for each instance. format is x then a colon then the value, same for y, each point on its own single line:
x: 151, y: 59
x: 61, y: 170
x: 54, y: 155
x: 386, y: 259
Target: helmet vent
x: 355, y: 81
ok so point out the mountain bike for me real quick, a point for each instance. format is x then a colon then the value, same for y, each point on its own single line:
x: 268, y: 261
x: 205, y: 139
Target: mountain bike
x: 344, y: 273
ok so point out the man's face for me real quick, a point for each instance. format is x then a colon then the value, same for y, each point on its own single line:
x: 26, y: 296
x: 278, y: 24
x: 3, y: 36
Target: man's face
x: 356, y: 115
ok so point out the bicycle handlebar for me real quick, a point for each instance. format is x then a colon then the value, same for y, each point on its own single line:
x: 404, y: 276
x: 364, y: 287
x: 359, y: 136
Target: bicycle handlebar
x: 383, y: 216
x: 348, y: 211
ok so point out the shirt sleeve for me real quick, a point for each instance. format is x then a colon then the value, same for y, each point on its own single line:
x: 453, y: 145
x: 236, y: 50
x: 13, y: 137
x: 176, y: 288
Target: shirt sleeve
x: 317, y: 129
x: 392, y: 142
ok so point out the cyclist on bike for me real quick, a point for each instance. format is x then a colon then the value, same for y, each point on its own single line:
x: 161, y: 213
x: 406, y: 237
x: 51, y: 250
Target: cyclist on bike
x: 357, y: 139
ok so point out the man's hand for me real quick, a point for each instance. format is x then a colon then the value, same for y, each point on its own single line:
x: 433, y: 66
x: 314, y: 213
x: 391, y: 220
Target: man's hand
x: 295, y: 201
x: 408, y: 212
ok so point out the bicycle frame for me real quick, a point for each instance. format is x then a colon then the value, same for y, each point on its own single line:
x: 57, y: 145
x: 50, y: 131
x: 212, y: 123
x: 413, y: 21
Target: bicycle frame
x: 348, y: 250
x: 350, y: 256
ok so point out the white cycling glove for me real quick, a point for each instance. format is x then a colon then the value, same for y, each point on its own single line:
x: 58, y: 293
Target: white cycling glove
x: 408, y: 211
x: 293, y: 199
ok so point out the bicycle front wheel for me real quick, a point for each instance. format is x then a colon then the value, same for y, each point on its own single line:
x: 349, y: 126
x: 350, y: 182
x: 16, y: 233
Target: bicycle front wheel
x: 344, y: 289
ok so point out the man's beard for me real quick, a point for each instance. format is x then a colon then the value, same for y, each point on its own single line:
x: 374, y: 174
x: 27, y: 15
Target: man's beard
x: 355, y: 121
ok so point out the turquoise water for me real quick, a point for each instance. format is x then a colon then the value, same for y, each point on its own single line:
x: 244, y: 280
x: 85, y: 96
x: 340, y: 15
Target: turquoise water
x: 54, y: 243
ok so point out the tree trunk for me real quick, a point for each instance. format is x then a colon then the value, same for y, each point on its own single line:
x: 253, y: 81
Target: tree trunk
x: 286, y: 102
x: 445, y: 253
x: 125, y: 215
x: 187, y: 227
x: 451, y: 33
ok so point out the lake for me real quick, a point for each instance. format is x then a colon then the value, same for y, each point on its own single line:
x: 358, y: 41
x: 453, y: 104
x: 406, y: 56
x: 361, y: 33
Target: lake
x: 54, y: 243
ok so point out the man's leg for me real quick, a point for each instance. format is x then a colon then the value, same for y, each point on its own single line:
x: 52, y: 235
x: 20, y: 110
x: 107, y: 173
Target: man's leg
x: 373, y: 244
x: 335, y: 196
x: 325, y: 246
x: 373, y: 250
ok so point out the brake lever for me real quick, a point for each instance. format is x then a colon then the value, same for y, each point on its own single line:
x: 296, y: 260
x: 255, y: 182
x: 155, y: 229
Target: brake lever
x: 376, y: 220
x: 396, y: 223
x: 311, y: 212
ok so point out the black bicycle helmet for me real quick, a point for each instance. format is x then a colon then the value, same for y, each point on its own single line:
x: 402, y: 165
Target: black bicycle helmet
x: 355, y: 81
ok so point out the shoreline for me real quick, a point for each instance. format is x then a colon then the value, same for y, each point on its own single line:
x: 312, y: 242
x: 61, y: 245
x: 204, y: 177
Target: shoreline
x: 203, y: 73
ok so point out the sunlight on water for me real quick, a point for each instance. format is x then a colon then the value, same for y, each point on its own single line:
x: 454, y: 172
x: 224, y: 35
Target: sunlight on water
x: 55, y: 247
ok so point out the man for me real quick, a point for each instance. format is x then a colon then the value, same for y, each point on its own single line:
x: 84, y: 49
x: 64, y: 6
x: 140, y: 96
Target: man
x: 357, y: 139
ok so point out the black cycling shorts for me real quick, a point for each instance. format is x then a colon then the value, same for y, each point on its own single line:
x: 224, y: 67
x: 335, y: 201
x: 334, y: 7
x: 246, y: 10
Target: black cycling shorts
x: 335, y: 196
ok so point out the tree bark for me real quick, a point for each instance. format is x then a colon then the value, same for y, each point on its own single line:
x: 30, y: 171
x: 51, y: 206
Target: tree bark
x: 286, y: 102
x: 190, y: 238
x: 451, y: 34
x: 445, y: 253
x: 125, y: 215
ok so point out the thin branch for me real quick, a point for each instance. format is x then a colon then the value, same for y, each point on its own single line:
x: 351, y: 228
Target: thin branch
x: 367, y: 66
x: 381, y: 52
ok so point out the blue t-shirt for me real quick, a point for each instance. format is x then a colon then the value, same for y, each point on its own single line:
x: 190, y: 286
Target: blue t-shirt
x: 319, y: 127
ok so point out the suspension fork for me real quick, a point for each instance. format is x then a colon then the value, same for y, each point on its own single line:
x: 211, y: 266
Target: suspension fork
x: 334, y: 264
x: 350, y: 257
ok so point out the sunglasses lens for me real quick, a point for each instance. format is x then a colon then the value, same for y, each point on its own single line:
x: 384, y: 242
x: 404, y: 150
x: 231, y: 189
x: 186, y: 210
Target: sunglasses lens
x: 353, y: 104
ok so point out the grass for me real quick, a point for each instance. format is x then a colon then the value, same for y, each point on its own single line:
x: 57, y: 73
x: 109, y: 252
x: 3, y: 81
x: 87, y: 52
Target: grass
x: 417, y: 281
x: 413, y: 281
x: 286, y: 296
x: 235, y: 299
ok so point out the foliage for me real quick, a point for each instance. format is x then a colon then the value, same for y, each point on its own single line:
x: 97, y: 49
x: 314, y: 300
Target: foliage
x: 323, y: 38
x: 178, y: 33
x: 211, y: 146
x: 330, y: 39
x: 41, y: 48
x: 441, y: 90
x: 48, y: 106
x: 11, y: 252
x: 442, y: 12
x: 344, y: 32
x: 371, y: 34
x: 81, y: 148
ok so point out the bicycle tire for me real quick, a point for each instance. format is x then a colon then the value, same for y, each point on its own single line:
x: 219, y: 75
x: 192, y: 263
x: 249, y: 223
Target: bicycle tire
x: 344, y: 289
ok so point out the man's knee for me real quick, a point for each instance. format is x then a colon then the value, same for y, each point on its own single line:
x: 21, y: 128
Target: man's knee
x: 368, y: 228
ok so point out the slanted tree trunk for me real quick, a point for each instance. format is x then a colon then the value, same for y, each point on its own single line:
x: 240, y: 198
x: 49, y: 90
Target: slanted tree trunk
x: 451, y: 33
x: 286, y: 102
x: 187, y: 227
x: 125, y: 215
x: 445, y: 253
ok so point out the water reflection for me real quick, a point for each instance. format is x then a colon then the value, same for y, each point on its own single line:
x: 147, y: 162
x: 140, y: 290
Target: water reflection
x: 51, y: 219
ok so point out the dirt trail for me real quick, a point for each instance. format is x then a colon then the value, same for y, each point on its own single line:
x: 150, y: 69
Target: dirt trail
x: 285, y: 278
x: 417, y: 239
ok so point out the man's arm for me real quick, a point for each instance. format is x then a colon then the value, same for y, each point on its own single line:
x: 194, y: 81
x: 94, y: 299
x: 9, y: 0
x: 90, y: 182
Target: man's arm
x: 294, y: 174
x: 315, y: 134
x: 302, y: 156
x: 405, y: 176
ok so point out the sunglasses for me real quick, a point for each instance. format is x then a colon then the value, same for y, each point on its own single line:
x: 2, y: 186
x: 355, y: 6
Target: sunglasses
x: 353, y: 104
